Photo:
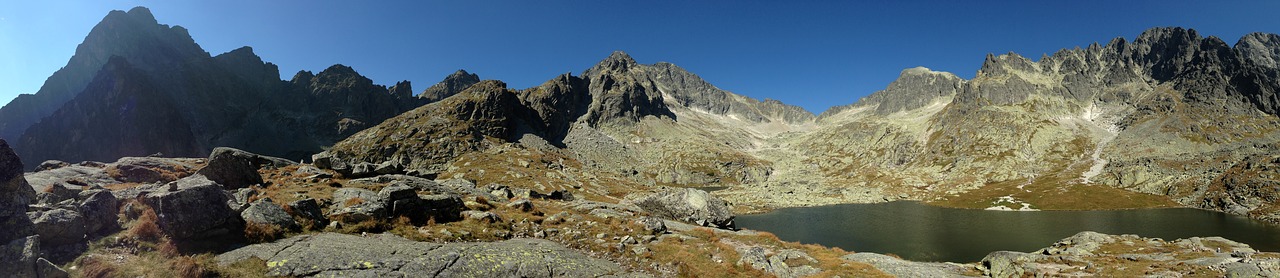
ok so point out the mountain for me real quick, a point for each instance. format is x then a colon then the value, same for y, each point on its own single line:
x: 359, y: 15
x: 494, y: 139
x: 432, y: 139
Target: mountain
x: 136, y: 87
x: 134, y: 35
x: 1170, y: 118
x: 603, y: 120
x: 1159, y: 121
x: 1163, y: 116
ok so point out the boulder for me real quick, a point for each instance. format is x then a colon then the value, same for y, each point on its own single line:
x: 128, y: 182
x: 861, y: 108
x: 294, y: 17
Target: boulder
x: 443, y: 207
x: 1009, y: 264
x: 193, y: 207
x: 326, y: 160
x: 47, y: 269
x: 396, y: 192
x: 55, y: 194
x: 309, y: 209
x: 652, y: 225
x: 240, y: 198
x: 482, y: 216
x: 387, y: 255
x: 232, y: 168
x: 266, y: 212
x: 689, y: 205
x: 355, y: 205
x: 59, y: 226
x: 344, y: 197
x: 521, y: 204
x: 388, y: 167
x: 100, y: 209
x: 18, y: 257
x: 15, y: 195
x: 51, y: 164
x: 562, y: 195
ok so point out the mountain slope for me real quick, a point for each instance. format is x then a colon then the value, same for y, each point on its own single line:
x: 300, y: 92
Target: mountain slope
x: 134, y: 35
x: 233, y: 99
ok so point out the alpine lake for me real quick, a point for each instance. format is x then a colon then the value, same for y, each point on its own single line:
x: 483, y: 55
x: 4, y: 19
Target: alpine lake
x: 921, y: 232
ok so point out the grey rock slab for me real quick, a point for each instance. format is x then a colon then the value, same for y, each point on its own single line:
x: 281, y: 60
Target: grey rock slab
x: 58, y: 226
x: 89, y: 175
x: 904, y: 268
x: 332, y: 254
x: 100, y: 209
x: 264, y: 211
x: 309, y: 209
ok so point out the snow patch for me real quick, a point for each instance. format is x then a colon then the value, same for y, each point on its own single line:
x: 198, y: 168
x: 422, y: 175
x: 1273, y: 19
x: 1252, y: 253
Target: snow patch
x: 999, y: 204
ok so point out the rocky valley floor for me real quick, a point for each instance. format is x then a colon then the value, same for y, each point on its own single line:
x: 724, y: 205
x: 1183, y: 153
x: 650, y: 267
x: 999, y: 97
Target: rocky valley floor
x: 238, y: 214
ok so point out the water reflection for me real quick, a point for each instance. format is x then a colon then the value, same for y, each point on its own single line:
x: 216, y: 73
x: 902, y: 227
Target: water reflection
x: 926, y: 233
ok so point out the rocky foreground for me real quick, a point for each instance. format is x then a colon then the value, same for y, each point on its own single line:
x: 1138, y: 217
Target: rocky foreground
x: 238, y: 214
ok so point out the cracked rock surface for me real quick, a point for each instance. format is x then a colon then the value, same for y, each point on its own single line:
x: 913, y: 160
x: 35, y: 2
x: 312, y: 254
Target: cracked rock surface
x: 385, y: 255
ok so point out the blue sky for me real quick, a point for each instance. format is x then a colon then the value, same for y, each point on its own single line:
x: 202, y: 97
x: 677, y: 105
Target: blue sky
x: 815, y: 54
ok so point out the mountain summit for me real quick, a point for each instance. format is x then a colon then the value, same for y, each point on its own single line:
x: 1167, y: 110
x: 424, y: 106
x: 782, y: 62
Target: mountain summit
x: 136, y: 87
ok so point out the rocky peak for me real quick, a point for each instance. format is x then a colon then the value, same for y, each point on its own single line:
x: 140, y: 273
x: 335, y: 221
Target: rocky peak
x: 1261, y: 49
x: 402, y: 90
x: 1004, y: 64
x: 134, y: 35
x: 915, y: 88
x: 618, y: 61
x: 451, y: 85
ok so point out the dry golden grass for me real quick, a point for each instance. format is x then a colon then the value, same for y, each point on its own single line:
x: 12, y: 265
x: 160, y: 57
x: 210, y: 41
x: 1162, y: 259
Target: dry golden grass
x: 95, y: 267
x: 145, y: 227
x: 187, y: 267
x: 260, y: 233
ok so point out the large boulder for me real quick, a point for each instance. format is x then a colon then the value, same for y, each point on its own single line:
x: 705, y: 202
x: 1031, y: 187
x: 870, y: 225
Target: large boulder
x: 355, y: 205
x: 55, y: 194
x: 689, y: 205
x: 232, y: 168
x: 386, y: 255
x: 58, y: 226
x: 18, y: 257
x: 15, y: 195
x: 309, y: 209
x: 100, y: 209
x: 193, y: 207
x: 266, y: 212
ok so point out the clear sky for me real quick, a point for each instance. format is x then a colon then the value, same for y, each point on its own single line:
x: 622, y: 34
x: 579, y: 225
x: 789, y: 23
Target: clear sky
x: 815, y: 54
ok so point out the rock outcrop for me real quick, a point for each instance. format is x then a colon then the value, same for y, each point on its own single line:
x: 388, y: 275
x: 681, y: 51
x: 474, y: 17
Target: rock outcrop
x: 192, y: 208
x: 19, y: 239
x: 233, y: 168
x: 15, y: 195
x: 689, y: 205
x: 451, y: 85
x: 328, y: 254
x: 1129, y: 255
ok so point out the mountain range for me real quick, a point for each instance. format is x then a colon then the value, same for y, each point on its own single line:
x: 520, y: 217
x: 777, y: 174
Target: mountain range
x: 1171, y: 118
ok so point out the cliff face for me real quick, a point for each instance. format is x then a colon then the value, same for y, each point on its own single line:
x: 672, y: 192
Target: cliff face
x: 161, y: 86
x: 134, y: 35
x: 146, y: 120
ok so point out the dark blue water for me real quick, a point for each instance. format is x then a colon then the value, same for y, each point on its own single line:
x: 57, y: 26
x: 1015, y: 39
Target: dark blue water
x: 921, y: 232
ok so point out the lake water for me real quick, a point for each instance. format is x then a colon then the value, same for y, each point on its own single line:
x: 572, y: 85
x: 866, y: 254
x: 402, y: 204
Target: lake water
x: 921, y: 232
